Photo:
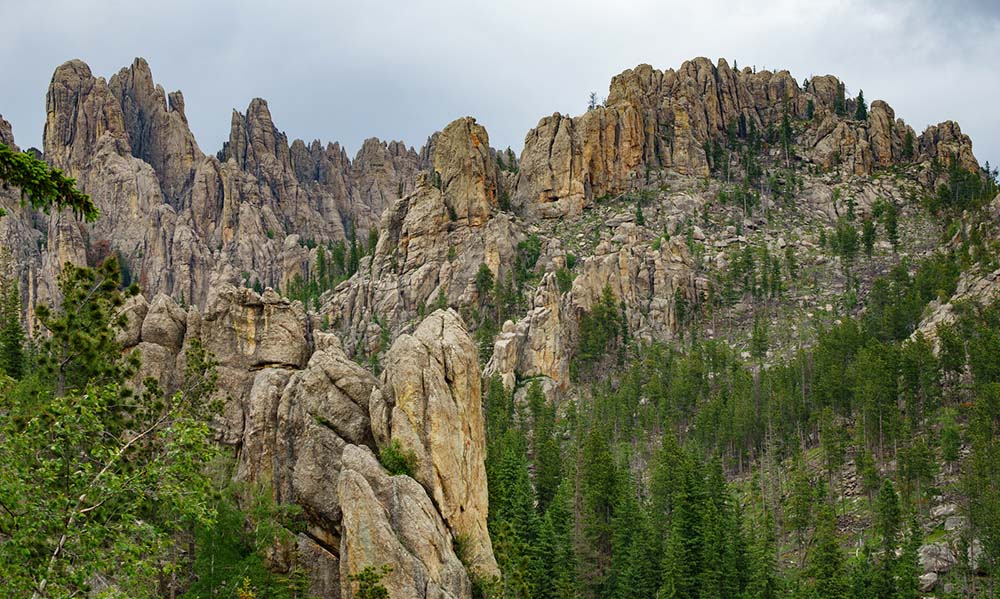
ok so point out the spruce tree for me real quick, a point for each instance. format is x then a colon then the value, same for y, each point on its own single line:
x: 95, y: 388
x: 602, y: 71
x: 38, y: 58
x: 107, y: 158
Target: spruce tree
x: 868, y: 237
x: 908, y: 567
x: 839, y: 105
x: 545, y: 446
x: 908, y: 152
x: 764, y: 581
x: 598, y: 482
x: 560, y: 561
x: 887, y: 525
x: 11, y: 333
x: 825, y: 564
x: 861, y: 112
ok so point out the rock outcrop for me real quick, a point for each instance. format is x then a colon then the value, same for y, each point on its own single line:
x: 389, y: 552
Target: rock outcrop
x: 431, y: 245
x: 179, y: 219
x: 431, y: 404
x: 296, y: 407
x: 390, y: 521
x: 646, y: 281
x: 655, y: 120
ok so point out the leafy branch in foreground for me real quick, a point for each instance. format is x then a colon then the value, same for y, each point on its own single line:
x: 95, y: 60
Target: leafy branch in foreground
x: 99, y: 481
x: 43, y: 186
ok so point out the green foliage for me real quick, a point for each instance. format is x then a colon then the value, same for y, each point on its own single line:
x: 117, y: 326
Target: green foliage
x: 564, y: 280
x: 861, y: 110
x: 964, y: 189
x: 369, y: 582
x: 484, y: 281
x: 81, y: 348
x: 951, y: 438
x: 839, y: 104
x: 845, y: 242
x: 528, y: 252
x: 397, y: 459
x: 908, y: 144
x: 601, y: 330
x: 231, y: 549
x: 825, y: 564
x: 868, y: 234
x: 759, y: 338
x: 98, y: 479
x: 12, y: 340
x: 43, y: 186
x: 335, y: 263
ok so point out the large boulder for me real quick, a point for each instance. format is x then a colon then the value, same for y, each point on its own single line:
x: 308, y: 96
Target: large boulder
x: 936, y: 557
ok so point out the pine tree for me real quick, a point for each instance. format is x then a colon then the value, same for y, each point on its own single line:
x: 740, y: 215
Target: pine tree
x: 764, y: 579
x: 99, y: 479
x: 890, y: 221
x: 82, y: 348
x: 887, y: 525
x: 354, y: 259
x: 861, y: 112
x: 861, y: 576
x: 43, y: 186
x: 868, y: 237
x: 825, y: 564
x: 512, y: 520
x: 598, y: 481
x: 908, y: 146
x: 908, y: 568
x: 559, y: 556
x: 801, y: 501
x: 633, y: 572
x: 545, y: 446
x: 682, y: 566
x: 839, y: 105
x: 11, y: 333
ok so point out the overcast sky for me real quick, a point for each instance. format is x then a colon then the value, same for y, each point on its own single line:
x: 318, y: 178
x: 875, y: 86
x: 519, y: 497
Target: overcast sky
x: 345, y: 71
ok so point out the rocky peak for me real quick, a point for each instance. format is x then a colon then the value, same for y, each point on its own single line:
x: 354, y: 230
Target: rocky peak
x: 381, y: 174
x: 945, y: 140
x: 467, y: 171
x: 254, y: 142
x: 7, y: 134
x: 80, y: 109
x: 157, y: 129
x: 666, y: 119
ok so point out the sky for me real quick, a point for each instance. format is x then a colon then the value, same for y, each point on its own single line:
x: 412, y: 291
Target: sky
x: 346, y: 71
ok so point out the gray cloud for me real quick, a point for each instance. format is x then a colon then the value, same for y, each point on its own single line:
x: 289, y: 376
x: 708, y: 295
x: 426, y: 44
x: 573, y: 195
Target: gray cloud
x: 345, y: 71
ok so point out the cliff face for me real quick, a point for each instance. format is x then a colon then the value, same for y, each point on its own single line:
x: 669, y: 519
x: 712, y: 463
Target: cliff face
x: 432, y: 243
x: 305, y: 421
x: 663, y: 119
x: 618, y: 198
x: 180, y: 219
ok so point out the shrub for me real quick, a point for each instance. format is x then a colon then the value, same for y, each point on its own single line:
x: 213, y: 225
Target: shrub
x: 397, y: 459
x: 564, y: 280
